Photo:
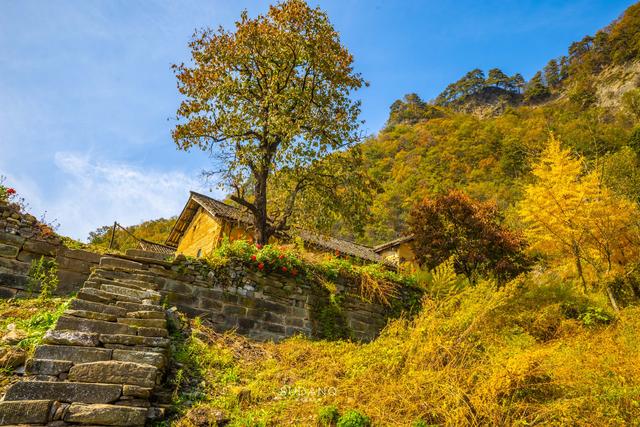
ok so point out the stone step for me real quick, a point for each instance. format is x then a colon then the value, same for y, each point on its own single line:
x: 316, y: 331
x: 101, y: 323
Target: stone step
x: 131, y: 293
x: 145, y: 314
x: 115, y: 372
x: 25, y: 412
x: 124, y: 264
x: 91, y: 315
x: 97, y: 281
x: 143, y: 323
x: 149, y: 358
x: 96, y: 326
x: 153, y: 332
x: 106, y: 415
x: 72, y: 353
x: 47, y: 367
x: 84, y: 339
x: 101, y: 296
x: 64, y: 391
x: 79, y: 304
x: 138, y: 340
x: 131, y: 306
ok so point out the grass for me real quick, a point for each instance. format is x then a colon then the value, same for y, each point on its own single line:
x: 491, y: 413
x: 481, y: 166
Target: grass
x: 30, y: 318
x: 531, y: 353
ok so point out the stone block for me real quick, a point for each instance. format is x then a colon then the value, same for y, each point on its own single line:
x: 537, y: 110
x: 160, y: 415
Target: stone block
x: 121, y: 263
x: 179, y: 287
x: 114, y: 372
x: 131, y: 293
x: 81, y: 255
x: 78, y: 304
x: 234, y: 310
x: 40, y: 247
x: 7, y: 293
x: 88, y: 325
x: 72, y: 353
x: 25, y: 412
x: 8, y: 251
x: 11, y: 239
x: 47, y: 367
x: 73, y: 264
x: 132, y: 306
x: 271, y: 327
x: 14, y: 266
x: 15, y: 281
x: 136, y: 391
x: 64, y: 392
x: 143, y: 323
x: 134, y: 340
x: 153, y: 332
x: 146, y: 357
x: 73, y: 338
x: 145, y: 314
x: 106, y: 415
x: 91, y: 315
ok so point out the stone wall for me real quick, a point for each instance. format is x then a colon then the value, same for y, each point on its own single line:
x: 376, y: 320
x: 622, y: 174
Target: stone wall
x: 265, y: 306
x: 23, y: 239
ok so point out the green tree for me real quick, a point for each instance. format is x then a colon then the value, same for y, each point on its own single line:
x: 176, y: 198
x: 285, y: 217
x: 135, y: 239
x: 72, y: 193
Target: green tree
x: 552, y: 73
x: 274, y: 94
x: 536, y: 90
x: 498, y: 78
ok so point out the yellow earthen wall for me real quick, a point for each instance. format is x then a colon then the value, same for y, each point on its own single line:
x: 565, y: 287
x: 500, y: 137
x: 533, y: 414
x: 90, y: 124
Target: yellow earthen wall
x: 203, y: 234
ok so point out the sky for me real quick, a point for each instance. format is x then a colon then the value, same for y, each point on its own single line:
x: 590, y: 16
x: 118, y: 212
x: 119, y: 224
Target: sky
x: 88, y: 97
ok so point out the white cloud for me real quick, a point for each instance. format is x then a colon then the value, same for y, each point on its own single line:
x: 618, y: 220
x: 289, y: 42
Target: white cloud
x: 95, y: 193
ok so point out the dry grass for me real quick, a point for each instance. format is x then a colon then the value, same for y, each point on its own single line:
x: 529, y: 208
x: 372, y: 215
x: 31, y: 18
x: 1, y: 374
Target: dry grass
x: 478, y: 358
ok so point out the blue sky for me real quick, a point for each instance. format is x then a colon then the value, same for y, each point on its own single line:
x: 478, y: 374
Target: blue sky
x: 87, y: 95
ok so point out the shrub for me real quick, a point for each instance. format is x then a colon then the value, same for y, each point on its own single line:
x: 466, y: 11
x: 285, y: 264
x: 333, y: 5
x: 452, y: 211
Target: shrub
x: 43, y: 275
x: 354, y: 418
x: 328, y: 416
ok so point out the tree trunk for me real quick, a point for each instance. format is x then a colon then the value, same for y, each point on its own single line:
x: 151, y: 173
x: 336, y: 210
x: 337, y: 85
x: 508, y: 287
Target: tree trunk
x: 576, y: 253
x: 612, y: 299
x: 262, y: 232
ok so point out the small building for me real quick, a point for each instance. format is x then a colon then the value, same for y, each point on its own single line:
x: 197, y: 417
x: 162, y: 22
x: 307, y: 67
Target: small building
x: 398, y: 251
x: 205, y: 222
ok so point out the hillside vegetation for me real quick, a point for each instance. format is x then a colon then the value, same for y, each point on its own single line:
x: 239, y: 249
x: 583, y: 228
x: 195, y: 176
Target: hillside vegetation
x: 550, y: 167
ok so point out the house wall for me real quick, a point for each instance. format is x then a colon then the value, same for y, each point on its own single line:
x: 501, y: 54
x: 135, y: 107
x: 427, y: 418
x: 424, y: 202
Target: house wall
x: 202, y: 235
x: 403, y: 253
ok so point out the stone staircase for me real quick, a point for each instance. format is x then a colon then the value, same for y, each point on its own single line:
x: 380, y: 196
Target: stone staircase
x: 104, y: 358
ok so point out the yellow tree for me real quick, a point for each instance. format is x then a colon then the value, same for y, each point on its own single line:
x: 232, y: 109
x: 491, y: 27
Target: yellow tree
x: 576, y: 222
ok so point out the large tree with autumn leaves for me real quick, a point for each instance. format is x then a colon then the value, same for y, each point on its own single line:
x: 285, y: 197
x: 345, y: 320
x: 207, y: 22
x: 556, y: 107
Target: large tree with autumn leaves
x: 576, y: 222
x: 267, y: 99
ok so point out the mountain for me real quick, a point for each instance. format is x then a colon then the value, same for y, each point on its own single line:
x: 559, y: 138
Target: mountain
x: 483, y: 133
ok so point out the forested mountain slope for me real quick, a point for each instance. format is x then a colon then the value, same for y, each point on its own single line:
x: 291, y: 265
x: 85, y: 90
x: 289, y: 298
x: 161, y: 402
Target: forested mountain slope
x: 482, y: 134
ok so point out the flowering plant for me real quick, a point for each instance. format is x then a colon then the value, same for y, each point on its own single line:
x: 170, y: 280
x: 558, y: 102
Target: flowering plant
x: 7, y: 193
x: 267, y: 258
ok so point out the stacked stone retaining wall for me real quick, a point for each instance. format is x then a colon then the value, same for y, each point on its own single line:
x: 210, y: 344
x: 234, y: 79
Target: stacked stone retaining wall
x: 22, y: 240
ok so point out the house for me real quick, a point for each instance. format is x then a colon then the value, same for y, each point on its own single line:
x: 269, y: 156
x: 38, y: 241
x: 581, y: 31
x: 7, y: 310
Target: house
x: 398, y: 251
x: 205, y: 222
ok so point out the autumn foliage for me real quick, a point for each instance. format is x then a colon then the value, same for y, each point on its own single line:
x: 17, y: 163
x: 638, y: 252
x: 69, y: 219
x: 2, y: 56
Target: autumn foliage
x: 456, y: 225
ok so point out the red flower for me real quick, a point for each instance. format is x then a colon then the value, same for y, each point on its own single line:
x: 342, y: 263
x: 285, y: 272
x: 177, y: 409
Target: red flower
x: 11, y: 191
x: 294, y: 272
x: 258, y: 245
x: 253, y: 257
x: 337, y: 253
x: 281, y: 256
x: 260, y: 266
x: 284, y: 269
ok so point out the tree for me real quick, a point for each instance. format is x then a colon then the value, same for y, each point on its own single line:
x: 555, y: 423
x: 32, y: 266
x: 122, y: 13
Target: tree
x: 536, y: 90
x: 517, y: 83
x: 578, y: 224
x: 552, y: 73
x: 456, y: 225
x: 275, y: 94
x: 498, y: 79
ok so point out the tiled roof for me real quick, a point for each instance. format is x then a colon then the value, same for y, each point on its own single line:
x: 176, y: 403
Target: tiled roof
x: 392, y: 243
